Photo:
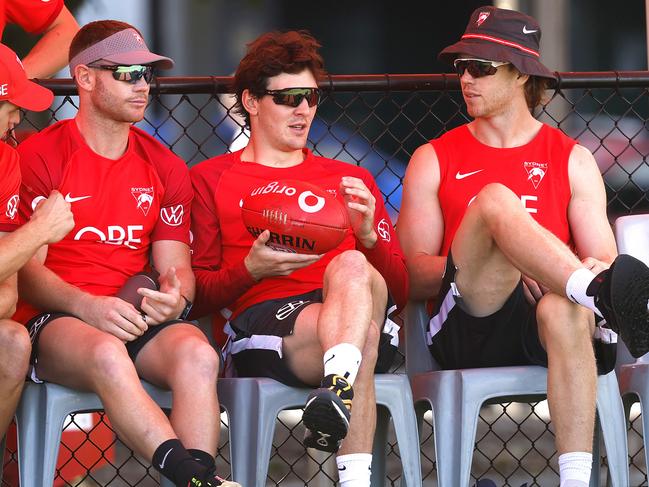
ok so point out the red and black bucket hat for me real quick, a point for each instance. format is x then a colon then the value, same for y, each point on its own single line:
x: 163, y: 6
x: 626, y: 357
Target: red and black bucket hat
x: 496, y: 34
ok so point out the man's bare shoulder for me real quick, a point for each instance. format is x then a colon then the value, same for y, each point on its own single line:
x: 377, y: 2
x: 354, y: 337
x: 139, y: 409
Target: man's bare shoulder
x: 581, y: 155
x: 424, y: 156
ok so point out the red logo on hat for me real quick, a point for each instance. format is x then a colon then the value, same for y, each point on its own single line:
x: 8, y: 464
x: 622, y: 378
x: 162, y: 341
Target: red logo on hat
x: 482, y: 16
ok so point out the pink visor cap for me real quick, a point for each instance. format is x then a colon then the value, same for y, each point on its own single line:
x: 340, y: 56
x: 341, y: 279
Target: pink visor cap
x: 125, y: 47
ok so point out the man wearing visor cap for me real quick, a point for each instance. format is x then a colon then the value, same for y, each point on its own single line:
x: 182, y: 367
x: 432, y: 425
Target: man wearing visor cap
x: 301, y: 319
x: 131, y: 200
x: 49, y: 223
x: 503, y: 222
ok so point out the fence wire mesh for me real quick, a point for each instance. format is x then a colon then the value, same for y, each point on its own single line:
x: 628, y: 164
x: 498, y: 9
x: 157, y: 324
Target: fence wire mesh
x: 377, y: 122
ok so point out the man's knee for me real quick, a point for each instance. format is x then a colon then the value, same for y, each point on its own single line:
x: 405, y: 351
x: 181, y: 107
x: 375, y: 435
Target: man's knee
x: 16, y: 349
x: 494, y: 199
x: 350, y: 266
x: 562, y: 321
x: 108, y: 358
x: 196, y: 357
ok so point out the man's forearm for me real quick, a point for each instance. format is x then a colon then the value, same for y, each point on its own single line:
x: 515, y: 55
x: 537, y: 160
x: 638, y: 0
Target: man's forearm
x: 17, y: 248
x: 50, y: 53
x: 41, y: 287
x: 8, y: 297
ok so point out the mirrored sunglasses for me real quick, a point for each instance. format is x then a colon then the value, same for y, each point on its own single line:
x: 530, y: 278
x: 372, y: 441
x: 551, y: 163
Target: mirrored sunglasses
x: 477, y: 67
x: 130, y: 74
x: 292, y: 97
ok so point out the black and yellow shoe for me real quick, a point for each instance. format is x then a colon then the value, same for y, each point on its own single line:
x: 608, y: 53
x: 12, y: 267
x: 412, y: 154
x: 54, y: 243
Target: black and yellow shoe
x: 327, y: 413
x: 212, y: 481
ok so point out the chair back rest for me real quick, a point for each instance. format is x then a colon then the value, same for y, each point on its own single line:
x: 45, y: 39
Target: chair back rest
x: 632, y: 237
x: 418, y: 357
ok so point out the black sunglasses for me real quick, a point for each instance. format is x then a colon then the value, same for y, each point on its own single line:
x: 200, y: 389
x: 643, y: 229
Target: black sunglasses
x: 477, y: 67
x: 130, y: 74
x: 292, y: 97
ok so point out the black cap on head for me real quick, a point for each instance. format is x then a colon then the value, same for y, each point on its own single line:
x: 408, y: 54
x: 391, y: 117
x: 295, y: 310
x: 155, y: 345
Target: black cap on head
x: 497, y: 34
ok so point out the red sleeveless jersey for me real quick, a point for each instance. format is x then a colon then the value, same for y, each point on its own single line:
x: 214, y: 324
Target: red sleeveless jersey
x: 537, y: 172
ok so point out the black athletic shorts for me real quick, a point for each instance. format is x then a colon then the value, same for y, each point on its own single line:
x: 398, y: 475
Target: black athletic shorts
x: 508, y: 337
x: 257, y: 338
x: 37, y: 323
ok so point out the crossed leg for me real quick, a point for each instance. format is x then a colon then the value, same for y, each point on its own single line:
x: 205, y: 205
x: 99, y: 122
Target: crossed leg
x: 496, y: 243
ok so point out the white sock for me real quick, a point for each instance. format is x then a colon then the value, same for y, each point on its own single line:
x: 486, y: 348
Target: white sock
x: 576, y: 288
x: 343, y: 360
x: 574, y: 469
x: 354, y: 470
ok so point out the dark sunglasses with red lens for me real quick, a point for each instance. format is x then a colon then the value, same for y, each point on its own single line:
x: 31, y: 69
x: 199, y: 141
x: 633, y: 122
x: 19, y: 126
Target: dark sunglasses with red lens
x: 477, y: 67
x: 292, y: 97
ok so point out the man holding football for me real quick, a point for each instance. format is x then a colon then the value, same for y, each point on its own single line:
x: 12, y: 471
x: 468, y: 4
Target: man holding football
x: 304, y: 320
x: 130, y: 198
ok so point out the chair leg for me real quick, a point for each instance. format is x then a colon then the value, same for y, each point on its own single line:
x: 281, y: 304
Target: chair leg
x: 239, y: 397
x: 443, y: 389
x: 596, y: 464
x: 378, y: 448
x: 614, y: 431
x: 29, y: 433
x: 468, y: 423
x: 405, y: 428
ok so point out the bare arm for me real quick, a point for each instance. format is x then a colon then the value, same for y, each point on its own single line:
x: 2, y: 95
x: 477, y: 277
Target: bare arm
x: 50, y: 222
x: 173, y: 261
x: 51, y: 52
x: 44, y: 289
x: 421, y: 227
x: 589, y: 225
x: 8, y: 297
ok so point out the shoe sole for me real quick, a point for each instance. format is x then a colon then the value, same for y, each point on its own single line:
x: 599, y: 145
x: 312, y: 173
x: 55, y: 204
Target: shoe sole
x: 324, y: 414
x: 629, y: 297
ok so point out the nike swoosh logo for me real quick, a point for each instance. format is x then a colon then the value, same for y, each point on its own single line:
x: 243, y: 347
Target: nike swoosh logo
x: 71, y: 199
x: 342, y: 467
x: 529, y: 31
x: 459, y: 175
x: 164, y: 459
x: 330, y: 358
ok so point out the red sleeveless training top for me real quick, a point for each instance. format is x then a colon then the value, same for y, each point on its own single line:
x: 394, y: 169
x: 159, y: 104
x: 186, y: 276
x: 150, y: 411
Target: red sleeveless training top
x: 537, y: 172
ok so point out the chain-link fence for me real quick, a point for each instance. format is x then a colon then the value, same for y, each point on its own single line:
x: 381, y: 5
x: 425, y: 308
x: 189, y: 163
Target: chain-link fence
x: 377, y: 122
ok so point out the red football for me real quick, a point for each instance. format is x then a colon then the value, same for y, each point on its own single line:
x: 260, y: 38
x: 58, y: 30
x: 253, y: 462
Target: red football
x: 301, y: 217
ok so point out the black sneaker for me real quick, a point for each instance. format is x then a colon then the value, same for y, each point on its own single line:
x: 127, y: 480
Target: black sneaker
x: 326, y: 414
x: 621, y: 295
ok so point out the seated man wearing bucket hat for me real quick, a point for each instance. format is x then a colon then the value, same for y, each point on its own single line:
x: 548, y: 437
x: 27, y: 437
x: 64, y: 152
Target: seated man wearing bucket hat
x: 50, y: 222
x: 130, y: 197
x: 504, y: 221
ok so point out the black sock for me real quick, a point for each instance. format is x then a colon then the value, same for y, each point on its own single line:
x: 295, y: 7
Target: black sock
x: 173, y: 461
x: 202, y: 457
